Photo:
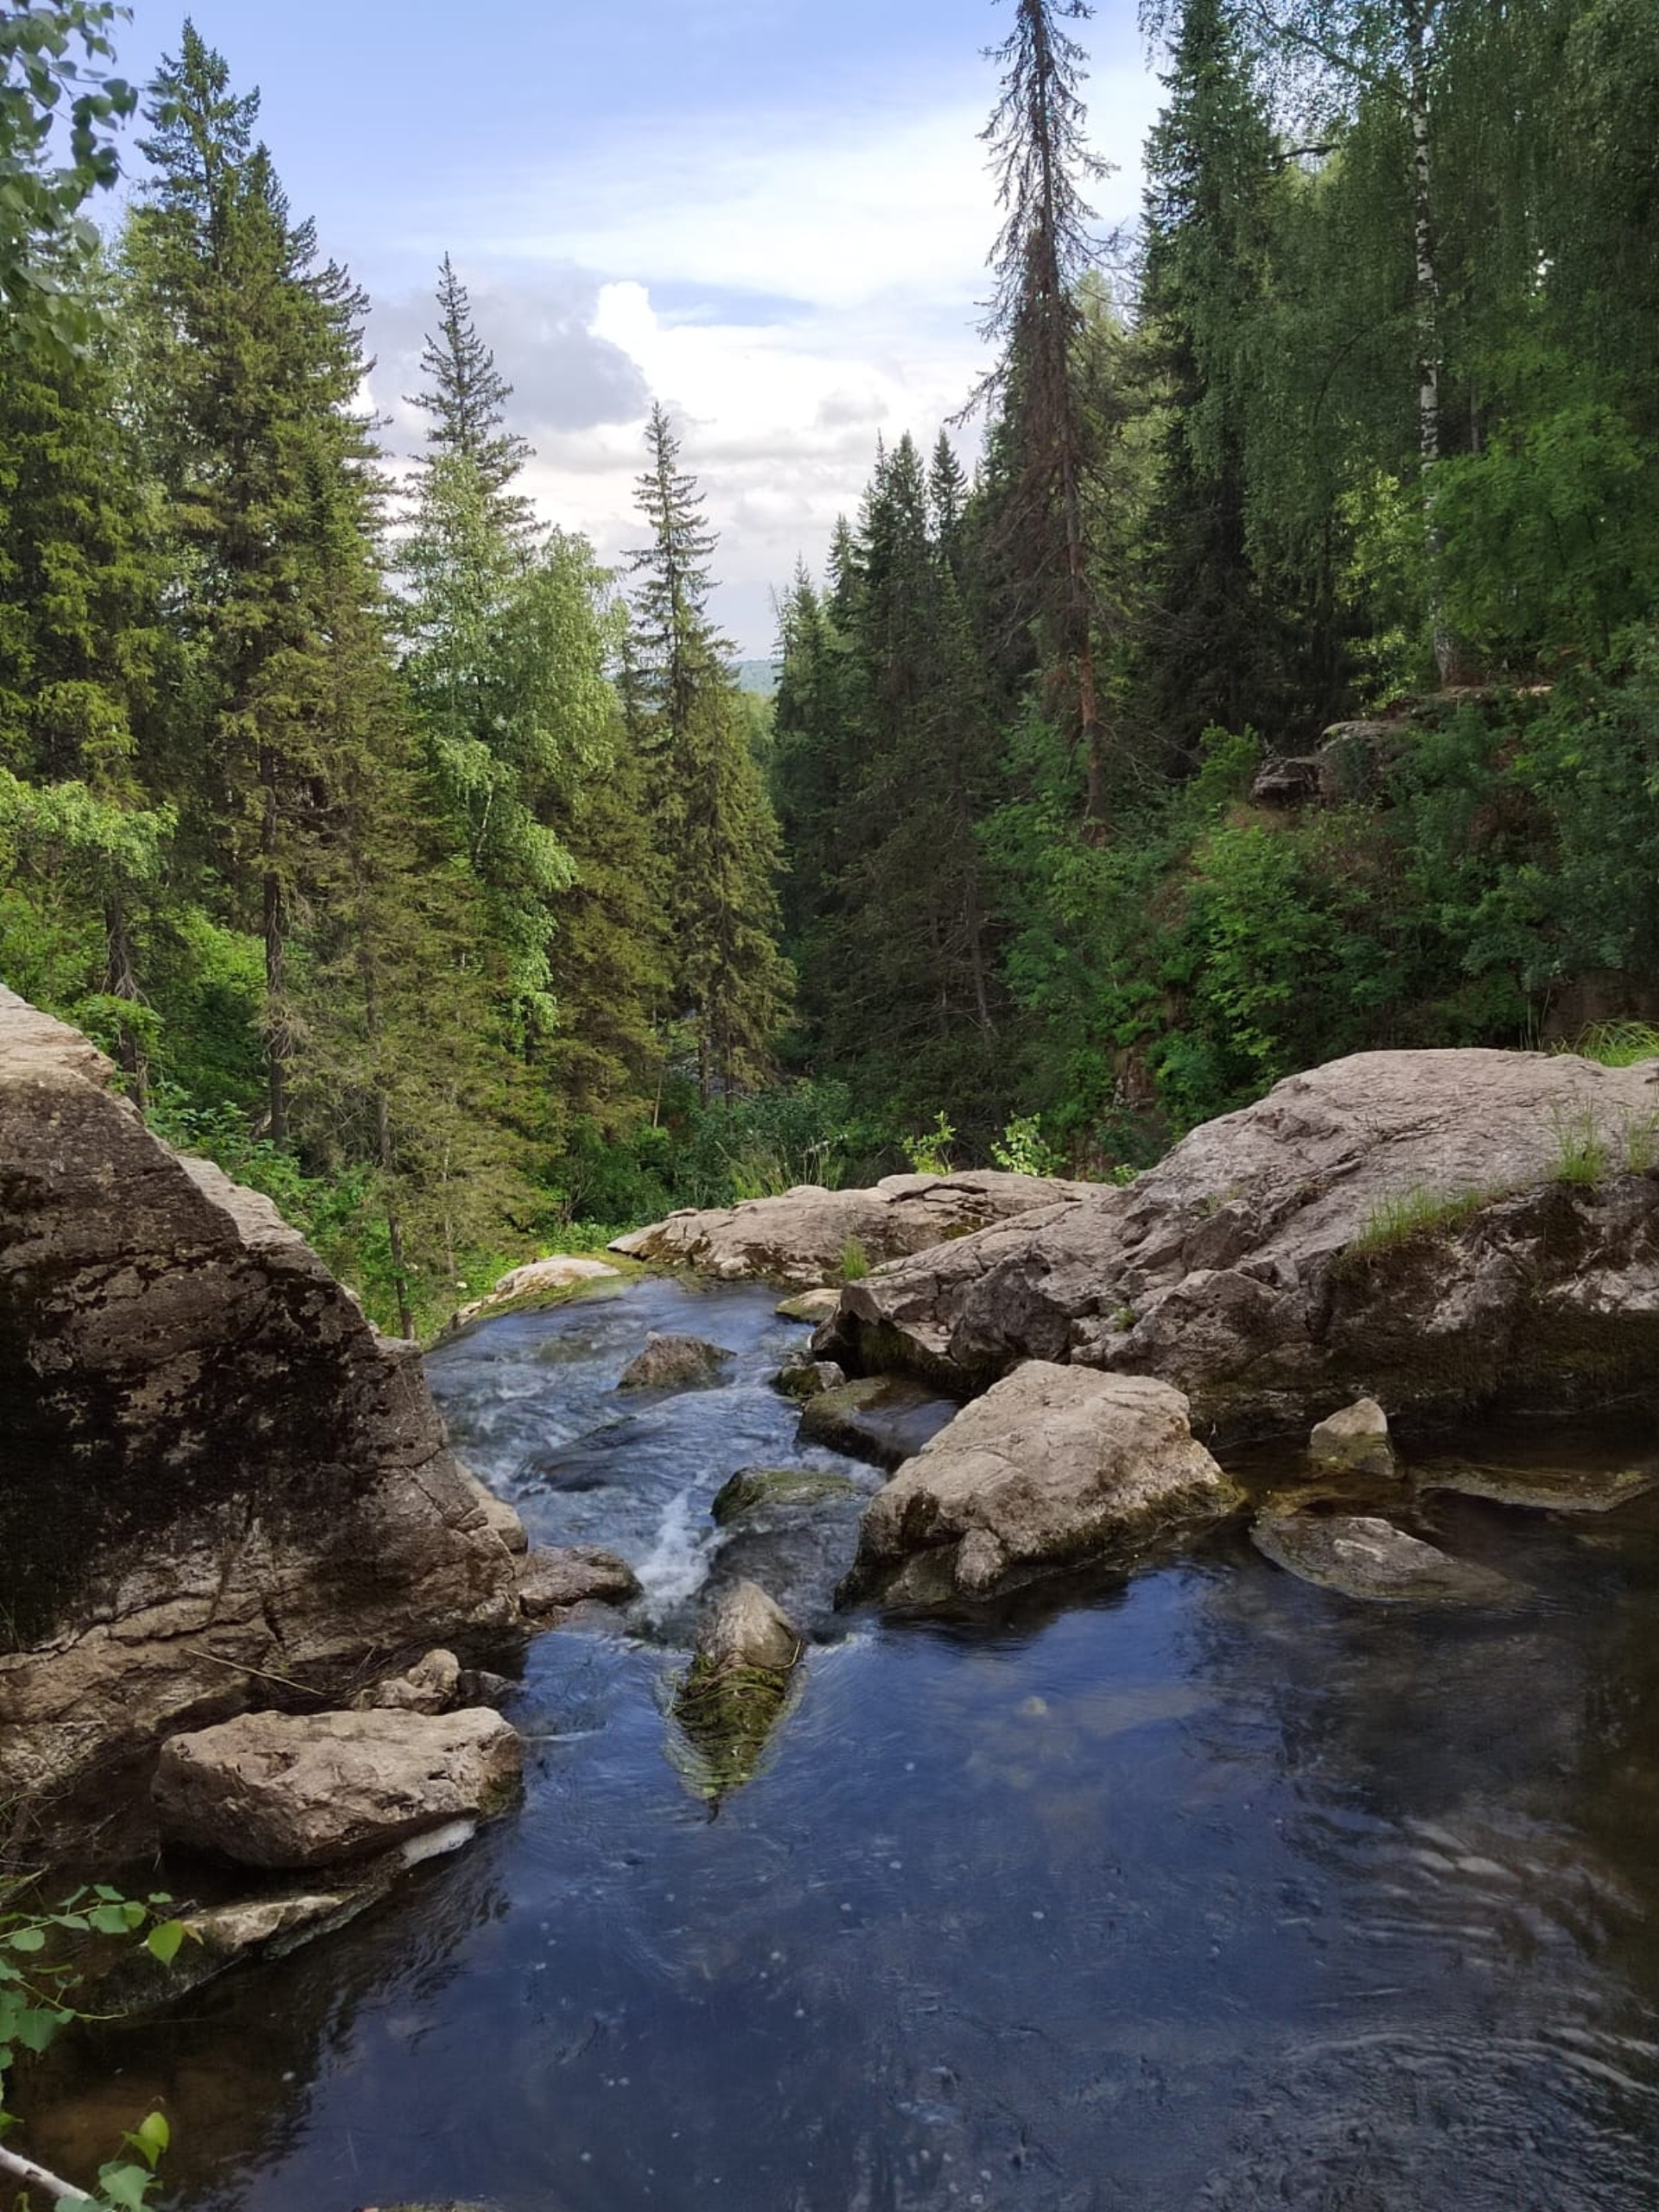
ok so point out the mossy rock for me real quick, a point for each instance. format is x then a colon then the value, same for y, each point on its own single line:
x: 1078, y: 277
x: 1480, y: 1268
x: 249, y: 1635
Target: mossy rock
x: 1545, y: 1489
x: 752, y: 1487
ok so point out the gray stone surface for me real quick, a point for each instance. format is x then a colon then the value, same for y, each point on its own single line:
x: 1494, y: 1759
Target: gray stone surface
x: 1366, y: 1557
x: 672, y: 1362
x: 214, y: 1463
x: 302, y: 1790
x: 1354, y: 1440
x: 556, y: 1577
x: 747, y: 1629
x: 1262, y: 1268
x: 803, y: 1236
x: 880, y: 1418
x: 1052, y: 1466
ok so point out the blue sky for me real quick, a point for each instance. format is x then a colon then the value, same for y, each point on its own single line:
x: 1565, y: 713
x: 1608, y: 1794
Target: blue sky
x: 772, y: 215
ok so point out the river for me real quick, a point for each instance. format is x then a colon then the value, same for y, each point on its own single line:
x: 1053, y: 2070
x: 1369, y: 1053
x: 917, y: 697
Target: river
x: 1209, y: 1889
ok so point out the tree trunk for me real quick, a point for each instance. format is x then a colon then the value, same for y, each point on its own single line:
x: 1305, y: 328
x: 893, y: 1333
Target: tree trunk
x: 276, y: 1037
x: 121, y: 981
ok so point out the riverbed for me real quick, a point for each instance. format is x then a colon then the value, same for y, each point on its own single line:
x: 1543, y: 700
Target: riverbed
x: 1209, y: 1889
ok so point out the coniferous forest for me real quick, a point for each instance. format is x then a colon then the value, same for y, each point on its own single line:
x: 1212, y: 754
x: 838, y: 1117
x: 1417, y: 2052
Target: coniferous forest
x: 1265, y: 668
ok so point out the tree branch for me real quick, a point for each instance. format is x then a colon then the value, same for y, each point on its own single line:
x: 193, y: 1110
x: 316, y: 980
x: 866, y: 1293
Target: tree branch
x: 13, y: 2162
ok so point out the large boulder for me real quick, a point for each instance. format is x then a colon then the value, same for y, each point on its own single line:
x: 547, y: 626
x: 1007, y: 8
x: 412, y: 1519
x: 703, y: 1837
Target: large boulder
x: 734, y: 1693
x: 808, y: 1236
x: 1435, y: 1229
x: 215, y: 1468
x: 1053, y: 1466
x: 294, y: 1790
x: 538, y: 1282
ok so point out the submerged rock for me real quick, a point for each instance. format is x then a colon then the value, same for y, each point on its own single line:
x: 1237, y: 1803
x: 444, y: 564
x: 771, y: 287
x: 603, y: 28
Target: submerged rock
x: 1052, y: 1466
x: 1442, y: 1229
x: 214, y: 1465
x: 670, y: 1363
x: 1355, y: 1439
x: 1364, y: 1556
x: 555, y: 1577
x: 734, y: 1693
x: 301, y: 1790
x: 1542, y: 1489
x: 881, y: 1418
x: 812, y: 1236
x: 753, y: 1488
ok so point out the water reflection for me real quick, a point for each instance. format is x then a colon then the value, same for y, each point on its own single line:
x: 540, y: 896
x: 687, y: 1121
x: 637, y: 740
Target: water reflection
x: 1209, y: 1890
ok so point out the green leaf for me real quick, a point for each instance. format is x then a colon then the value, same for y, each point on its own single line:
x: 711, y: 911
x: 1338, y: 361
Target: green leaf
x: 35, y: 2029
x: 28, y: 1939
x: 124, y: 2184
x: 151, y: 2138
x: 163, y: 1941
x: 110, y: 1919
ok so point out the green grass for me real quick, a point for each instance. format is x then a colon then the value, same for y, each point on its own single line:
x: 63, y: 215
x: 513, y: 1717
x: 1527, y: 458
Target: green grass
x: 1619, y: 1044
x: 855, y: 1260
x: 1396, y: 1221
x: 1580, y: 1152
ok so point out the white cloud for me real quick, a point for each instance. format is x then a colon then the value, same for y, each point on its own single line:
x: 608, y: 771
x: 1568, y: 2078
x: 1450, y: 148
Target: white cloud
x: 786, y: 286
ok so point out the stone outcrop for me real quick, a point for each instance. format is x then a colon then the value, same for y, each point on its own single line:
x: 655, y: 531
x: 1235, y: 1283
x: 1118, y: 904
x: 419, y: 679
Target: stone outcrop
x: 538, y: 1282
x: 215, y: 1470
x: 555, y: 1577
x: 805, y: 1238
x: 1434, y: 1229
x: 298, y: 1790
x: 1053, y: 1466
x: 1364, y: 1556
x: 1353, y: 1441
x: 671, y: 1362
x: 733, y: 1695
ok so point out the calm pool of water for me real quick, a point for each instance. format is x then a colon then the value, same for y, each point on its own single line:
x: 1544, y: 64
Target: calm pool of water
x: 1211, y: 1890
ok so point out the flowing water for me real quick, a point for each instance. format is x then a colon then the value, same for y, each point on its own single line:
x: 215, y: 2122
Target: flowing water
x: 1204, y: 1892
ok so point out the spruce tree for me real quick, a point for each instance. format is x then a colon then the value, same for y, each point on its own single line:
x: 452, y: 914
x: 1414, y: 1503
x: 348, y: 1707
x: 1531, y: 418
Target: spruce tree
x: 252, y: 358
x: 715, y: 825
x: 1044, y: 445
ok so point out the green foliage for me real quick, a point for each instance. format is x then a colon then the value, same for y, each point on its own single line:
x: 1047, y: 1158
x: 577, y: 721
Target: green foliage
x: 1023, y: 1150
x: 1580, y: 1151
x: 930, y: 1153
x: 38, y: 1987
x: 52, y: 54
x: 1619, y: 1044
x: 855, y: 1260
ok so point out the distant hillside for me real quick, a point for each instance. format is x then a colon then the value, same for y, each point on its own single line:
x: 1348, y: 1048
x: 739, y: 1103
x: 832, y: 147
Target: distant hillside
x: 758, y: 676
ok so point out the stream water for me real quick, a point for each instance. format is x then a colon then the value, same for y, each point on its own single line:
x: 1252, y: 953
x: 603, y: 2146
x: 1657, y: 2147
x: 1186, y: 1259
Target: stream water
x: 1210, y: 1889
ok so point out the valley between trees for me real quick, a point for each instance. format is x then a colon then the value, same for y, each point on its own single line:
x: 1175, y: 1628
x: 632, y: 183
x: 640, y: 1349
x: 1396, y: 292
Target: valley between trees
x: 1281, y: 680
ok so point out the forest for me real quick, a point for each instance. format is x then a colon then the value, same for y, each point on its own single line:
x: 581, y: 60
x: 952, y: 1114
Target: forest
x: 1265, y: 668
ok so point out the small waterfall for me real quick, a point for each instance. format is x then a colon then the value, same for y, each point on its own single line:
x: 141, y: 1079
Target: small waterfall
x: 673, y: 1569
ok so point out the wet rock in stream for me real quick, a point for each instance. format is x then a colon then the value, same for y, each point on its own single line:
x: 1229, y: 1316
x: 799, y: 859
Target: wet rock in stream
x: 1364, y: 1556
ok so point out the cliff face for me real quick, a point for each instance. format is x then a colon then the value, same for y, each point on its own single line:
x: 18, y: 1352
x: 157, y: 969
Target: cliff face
x: 216, y: 1478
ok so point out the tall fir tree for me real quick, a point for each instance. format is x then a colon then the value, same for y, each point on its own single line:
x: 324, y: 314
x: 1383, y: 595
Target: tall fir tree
x: 716, y: 828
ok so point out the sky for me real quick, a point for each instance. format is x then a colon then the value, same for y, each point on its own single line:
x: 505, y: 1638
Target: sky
x: 772, y: 215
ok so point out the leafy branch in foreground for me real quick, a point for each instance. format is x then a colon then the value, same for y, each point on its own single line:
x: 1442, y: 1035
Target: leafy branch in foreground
x: 36, y: 1994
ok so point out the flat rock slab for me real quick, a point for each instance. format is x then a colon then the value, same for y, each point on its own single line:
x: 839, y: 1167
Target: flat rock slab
x: 1544, y: 1490
x: 883, y: 1418
x: 557, y: 1576
x: 813, y: 1306
x: 298, y: 1790
x: 807, y: 1236
x: 1364, y: 1556
x: 1053, y: 1465
x: 672, y: 1362
x: 537, y: 1281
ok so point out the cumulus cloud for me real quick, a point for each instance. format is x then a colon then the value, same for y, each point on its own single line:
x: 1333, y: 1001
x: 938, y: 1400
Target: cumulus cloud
x: 787, y: 288
x: 565, y: 375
